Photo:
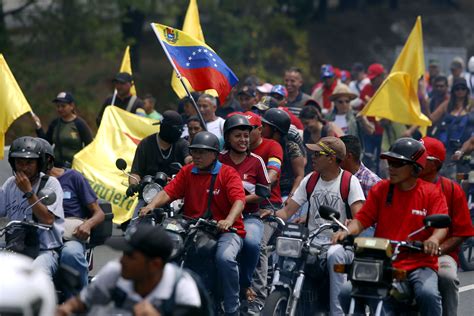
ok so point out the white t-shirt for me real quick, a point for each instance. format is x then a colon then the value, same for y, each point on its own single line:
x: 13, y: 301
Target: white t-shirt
x: 216, y: 127
x: 15, y: 207
x: 99, y: 292
x: 327, y: 193
x: 341, y: 121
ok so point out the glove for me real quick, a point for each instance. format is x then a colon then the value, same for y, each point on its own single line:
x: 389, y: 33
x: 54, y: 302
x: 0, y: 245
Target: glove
x: 131, y: 190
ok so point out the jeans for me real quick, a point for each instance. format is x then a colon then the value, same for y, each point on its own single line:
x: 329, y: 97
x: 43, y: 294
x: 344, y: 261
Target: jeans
x: 228, y: 247
x: 73, y: 255
x: 448, y: 283
x: 250, y: 250
x: 47, y: 261
x: 424, y: 282
x: 336, y: 254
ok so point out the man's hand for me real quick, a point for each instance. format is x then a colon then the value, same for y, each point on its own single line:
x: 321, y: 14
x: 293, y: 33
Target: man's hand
x: 62, y: 311
x: 82, y: 231
x: 145, y: 211
x: 23, y: 182
x: 300, y: 220
x: 131, y: 190
x: 266, y: 212
x: 144, y: 308
x: 339, y: 236
x: 224, y: 224
x: 431, y: 247
x: 36, y: 119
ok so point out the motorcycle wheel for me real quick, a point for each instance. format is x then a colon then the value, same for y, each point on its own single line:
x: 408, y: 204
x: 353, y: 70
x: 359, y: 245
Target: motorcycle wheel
x: 466, y: 255
x: 275, y: 304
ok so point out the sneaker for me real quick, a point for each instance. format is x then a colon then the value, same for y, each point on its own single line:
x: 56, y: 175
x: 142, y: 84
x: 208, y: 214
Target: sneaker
x: 254, y: 308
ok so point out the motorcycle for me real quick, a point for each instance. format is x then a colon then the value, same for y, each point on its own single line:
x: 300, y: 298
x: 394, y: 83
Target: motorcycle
x: 297, y: 251
x: 466, y: 180
x: 372, y: 274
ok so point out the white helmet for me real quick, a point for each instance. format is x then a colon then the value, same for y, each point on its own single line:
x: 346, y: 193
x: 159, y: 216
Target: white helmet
x: 470, y: 65
x: 24, y: 290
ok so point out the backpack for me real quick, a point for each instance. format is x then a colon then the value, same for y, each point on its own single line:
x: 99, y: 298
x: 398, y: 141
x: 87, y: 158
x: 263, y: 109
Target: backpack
x: 344, y: 188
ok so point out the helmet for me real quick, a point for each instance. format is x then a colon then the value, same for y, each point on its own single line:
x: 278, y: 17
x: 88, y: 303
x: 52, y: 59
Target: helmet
x: 236, y: 121
x: 205, y: 140
x: 26, y: 147
x: 25, y: 290
x: 48, y: 153
x: 277, y: 118
x: 407, y: 149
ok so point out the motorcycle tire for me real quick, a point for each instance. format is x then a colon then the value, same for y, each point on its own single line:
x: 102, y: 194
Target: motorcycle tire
x: 466, y: 255
x: 276, y: 303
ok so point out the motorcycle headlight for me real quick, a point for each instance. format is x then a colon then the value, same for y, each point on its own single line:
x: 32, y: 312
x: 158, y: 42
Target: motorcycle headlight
x: 289, y: 247
x: 178, y: 244
x: 150, y: 190
x: 367, y: 271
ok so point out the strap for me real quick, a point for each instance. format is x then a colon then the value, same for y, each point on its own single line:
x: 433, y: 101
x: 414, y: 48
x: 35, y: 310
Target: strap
x: 168, y: 305
x: 310, y: 185
x: 344, y: 189
x: 131, y: 102
x: 389, y: 199
x: 57, y: 142
x: 208, y: 213
x: 42, y: 183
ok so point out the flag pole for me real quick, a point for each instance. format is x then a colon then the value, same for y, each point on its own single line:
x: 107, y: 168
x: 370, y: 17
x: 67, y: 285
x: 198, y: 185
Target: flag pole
x: 178, y: 75
x: 114, y: 96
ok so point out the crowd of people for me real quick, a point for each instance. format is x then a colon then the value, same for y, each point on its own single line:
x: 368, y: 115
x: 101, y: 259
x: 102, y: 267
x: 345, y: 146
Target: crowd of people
x: 305, y: 147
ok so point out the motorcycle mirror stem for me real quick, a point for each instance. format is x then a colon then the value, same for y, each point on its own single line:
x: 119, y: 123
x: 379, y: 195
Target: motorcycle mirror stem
x: 339, y: 223
x: 121, y: 164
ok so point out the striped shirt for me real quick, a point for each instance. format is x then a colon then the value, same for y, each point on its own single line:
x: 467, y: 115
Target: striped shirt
x: 367, y: 178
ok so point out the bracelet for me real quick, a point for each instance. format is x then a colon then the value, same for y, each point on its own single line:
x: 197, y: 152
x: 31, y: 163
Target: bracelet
x: 459, y: 152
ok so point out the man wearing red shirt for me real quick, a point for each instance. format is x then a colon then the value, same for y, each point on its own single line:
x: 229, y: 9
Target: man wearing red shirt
x: 461, y: 225
x: 329, y: 82
x: 193, y: 183
x: 398, y: 207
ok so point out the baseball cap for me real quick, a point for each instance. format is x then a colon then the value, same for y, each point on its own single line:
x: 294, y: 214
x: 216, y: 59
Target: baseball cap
x: 358, y: 67
x: 266, y: 103
x: 171, y: 117
x: 435, y: 149
x: 375, y: 70
x: 327, y: 71
x: 253, y: 118
x: 63, y: 97
x: 123, y: 77
x: 265, y: 88
x: 247, y: 91
x: 330, y: 145
x: 279, y: 90
x: 152, y: 241
x: 459, y: 82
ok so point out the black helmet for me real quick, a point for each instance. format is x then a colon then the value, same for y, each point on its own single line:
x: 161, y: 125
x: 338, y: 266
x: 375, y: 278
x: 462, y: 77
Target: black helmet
x: 277, y: 118
x: 407, y: 149
x: 26, y: 147
x: 48, y: 153
x: 205, y: 140
x: 236, y: 121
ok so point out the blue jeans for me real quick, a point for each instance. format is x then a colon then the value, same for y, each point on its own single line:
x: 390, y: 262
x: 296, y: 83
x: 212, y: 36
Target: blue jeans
x: 47, y: 261
x: 251, y: 249
x: 73, y: 255
x: 228, y: 247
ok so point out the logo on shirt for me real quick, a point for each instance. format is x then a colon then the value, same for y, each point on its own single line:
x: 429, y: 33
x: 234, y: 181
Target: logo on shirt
x: 423, y: 212
x: 245, y: 176
x: 215, y: 192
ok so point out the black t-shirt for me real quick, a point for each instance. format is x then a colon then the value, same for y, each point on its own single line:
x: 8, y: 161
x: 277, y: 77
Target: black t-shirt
x: 149, y: 160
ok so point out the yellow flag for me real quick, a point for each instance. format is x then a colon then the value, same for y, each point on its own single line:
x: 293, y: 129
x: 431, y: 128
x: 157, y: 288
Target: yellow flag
x: 192, y: 26
x: 127, y: 67
x: 118, y: 136
x: 13, y: 103
x: 397, y: 97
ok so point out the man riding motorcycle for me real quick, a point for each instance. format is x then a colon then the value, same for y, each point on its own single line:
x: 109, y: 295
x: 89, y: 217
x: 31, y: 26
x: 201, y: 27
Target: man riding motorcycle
x: 398, y: 206
x: 26, y: 158
x: 208, y: 186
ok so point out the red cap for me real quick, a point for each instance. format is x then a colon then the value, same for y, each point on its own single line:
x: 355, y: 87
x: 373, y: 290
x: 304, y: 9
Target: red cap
x: 253, y: 118
x: 434, y: 148
x: 375, y: 70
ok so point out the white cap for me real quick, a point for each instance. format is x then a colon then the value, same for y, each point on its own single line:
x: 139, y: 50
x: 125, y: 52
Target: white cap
x: 265, y: 88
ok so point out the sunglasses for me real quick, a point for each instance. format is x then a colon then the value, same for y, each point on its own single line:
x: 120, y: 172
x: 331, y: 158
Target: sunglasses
x: 397, y: 163
x: 460, y: 88
x: 343, y: 101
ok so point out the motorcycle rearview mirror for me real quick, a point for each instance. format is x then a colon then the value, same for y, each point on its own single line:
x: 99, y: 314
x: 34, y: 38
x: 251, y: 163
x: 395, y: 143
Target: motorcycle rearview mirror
x: 262, y: 191
x: 437, y: 221
x: 328, y: 212
x: 47, y: 196
x: 121, y: 164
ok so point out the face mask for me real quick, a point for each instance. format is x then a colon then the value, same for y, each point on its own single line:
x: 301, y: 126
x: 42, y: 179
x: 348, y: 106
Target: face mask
x: 169, y: 133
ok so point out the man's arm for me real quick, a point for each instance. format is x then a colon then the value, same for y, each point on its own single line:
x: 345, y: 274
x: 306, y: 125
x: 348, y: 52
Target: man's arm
x: 273, y: 176
x: 451, y: 244
x: 288, y: 210
x: 355, y: 207
x: 84, y: 230
x: 431, y: 245
x: 72, y: 305
x: 355, y: 227
x: 39, y: 210
x: 132, y: 180
x: 159, y: 200
x: 234, y: 212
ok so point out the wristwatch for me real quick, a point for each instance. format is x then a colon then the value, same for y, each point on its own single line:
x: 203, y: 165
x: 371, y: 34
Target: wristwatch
x: 28, y: 195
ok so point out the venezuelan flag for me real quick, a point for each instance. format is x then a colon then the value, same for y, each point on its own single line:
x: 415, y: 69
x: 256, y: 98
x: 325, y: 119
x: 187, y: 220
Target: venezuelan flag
x: 196, y: 61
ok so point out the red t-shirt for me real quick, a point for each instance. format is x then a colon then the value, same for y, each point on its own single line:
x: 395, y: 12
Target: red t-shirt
x: 327, y: 92
x: 272, y: 154
x: 368, y: 91
x: 461, y: 224
x: 404, y: 216
x: 252, y: 170
x: 293, y: 118
x: 193, y: 186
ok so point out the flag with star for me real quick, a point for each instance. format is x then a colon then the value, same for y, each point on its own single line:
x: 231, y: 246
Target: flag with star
x: 196, y: 61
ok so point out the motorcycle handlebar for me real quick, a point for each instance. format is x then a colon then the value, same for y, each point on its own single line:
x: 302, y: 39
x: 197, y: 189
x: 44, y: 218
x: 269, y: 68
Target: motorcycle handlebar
x: 18, y: 223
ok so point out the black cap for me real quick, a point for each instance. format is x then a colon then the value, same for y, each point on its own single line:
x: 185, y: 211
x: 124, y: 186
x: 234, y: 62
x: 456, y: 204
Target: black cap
x: 171, y: 117
x: 123, y: 77
x: 152, y: 241
x: 459, y: 82
x: 64, y: 97
x: 248, y: 91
